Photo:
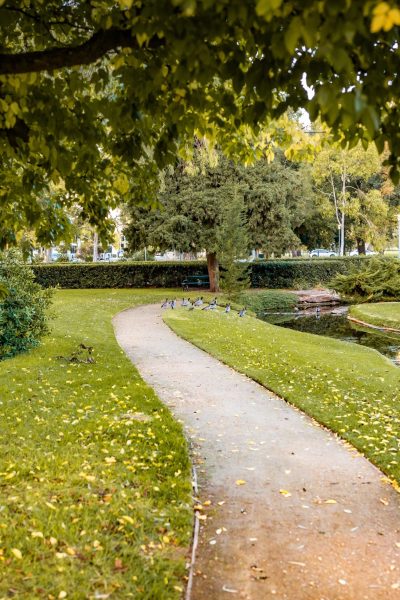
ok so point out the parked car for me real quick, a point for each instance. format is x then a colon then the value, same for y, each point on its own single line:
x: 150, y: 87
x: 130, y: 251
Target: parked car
x: 367, y: 253
x: 321, y: 253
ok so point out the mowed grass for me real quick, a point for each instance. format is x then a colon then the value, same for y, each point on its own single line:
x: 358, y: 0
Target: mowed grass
x: 95, y: 494
x: 386, y: 314
x: 353, y: 390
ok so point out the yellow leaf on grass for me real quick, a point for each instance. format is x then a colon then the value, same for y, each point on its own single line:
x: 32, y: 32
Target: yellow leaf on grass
x: 17, y: 553
x: 37, y: 534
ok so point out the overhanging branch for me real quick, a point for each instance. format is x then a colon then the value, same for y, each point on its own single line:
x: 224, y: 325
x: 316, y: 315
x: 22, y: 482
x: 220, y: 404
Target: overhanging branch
x: 57, y: 58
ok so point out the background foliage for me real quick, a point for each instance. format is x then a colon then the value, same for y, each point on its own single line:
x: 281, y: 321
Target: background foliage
x: 97, y: 97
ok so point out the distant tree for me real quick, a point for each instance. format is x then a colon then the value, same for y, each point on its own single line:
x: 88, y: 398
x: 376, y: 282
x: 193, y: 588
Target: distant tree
x: 195, y: 198
x: 346, y: 177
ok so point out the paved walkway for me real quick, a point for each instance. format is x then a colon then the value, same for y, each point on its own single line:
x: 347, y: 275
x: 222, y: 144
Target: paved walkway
x: 314, y: 520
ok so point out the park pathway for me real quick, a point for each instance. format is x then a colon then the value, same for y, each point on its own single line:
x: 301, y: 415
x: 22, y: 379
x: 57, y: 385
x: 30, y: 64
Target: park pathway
x: 313, y: 521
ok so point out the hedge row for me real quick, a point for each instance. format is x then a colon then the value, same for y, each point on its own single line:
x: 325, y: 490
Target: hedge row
x: 117, y: 274
x: 269, y: 274
x: 299, y: 273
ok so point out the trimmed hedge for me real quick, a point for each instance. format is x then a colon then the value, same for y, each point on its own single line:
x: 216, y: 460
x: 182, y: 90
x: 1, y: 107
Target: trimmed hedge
x: 117, y: 274
x: 270, y: 274
x: 299, y: 273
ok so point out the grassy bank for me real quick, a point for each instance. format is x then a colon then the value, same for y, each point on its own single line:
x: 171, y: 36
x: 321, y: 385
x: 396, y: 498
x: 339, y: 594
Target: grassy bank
x: 386, y: 314
x: 351, y: 389
x: 95, y: 479
x: 260, y: 301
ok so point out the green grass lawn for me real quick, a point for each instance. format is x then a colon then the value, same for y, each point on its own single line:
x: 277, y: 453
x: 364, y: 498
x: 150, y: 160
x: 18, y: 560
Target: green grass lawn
x: 94, y: 502
x: 260, y: 301
x: 353, y: 390
x: 386, y: 314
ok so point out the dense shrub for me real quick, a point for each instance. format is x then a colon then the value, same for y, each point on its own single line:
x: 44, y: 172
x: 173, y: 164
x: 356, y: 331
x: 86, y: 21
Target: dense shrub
x: 294, y: 273
x: 23, y: 306
x: 378, y: 279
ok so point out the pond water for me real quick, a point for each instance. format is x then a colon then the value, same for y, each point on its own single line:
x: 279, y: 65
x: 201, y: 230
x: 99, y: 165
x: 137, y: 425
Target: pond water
x: 333, y: 322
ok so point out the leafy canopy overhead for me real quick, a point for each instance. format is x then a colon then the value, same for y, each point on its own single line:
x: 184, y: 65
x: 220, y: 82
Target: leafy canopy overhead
x: 97, y: 96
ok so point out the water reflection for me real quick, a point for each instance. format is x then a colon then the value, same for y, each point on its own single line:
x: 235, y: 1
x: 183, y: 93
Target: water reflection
x: 334, y: 323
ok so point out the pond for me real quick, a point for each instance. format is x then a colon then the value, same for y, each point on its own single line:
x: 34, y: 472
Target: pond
x: 333, y: 322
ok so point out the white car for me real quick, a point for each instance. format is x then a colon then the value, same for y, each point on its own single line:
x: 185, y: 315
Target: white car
x: 322, y: 253
x: 367, y: 253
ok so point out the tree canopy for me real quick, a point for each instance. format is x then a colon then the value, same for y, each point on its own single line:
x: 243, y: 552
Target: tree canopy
x: 194, y: 213
x: 96, y: 97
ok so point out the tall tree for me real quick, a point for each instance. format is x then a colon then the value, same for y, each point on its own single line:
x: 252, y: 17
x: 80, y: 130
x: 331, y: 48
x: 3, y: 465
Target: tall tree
x: 97, y: 96
x: 342, y: 175
x: 196, y: 197
x: 233, y: 245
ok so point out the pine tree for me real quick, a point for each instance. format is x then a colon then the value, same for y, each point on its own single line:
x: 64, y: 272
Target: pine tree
x: 233, y: 241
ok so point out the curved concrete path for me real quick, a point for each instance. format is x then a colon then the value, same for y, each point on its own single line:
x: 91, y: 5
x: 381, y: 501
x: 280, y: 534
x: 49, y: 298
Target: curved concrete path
x: 314, y: 520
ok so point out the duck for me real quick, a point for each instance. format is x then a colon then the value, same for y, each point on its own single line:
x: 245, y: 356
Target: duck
x: 228, y: 308
x: 173, y: 303
x: 184, y: 302
x: 198, y: 301
x: 242, y: 312
x: 165, y: 303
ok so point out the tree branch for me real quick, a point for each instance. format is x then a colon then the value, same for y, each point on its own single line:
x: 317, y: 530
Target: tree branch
x: 69, y: 56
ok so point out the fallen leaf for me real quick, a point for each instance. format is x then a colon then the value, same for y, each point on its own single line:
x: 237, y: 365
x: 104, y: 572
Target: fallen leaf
x: 17, y: 553
x: 330, y: 501
x: 384, y: 501
x: 285, y: 493
x: 240, y: 482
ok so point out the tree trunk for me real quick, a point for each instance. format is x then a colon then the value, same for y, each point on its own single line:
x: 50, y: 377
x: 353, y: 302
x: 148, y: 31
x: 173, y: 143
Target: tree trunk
x: 360, y: 246
x: 213, y: 271
x: 95, y: 246
x: 342, y: 236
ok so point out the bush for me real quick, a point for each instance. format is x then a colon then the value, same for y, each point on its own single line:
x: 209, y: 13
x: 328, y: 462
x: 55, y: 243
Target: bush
x: 378, y: 279
x: 23, y: 306
x: 290, y: 273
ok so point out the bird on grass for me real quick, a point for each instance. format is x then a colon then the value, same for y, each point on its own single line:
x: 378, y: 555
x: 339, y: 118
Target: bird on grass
x: 213, y: 302
x: 185, y: 302
x: 190, y: 305
x: 165, y: 303
x: 173, y: 303
x: 228, y: 308
x: 242, y: 312
x: 210, y: 306
x: 198, y: 301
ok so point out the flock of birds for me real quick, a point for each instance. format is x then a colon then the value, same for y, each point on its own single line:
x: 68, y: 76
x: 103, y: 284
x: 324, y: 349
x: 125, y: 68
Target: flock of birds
x: 199, y: 303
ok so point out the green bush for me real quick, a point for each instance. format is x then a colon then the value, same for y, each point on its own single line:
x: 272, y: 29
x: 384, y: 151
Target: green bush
x: 378, y: 279
x: 23, y: 306
x: 275, y: 274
